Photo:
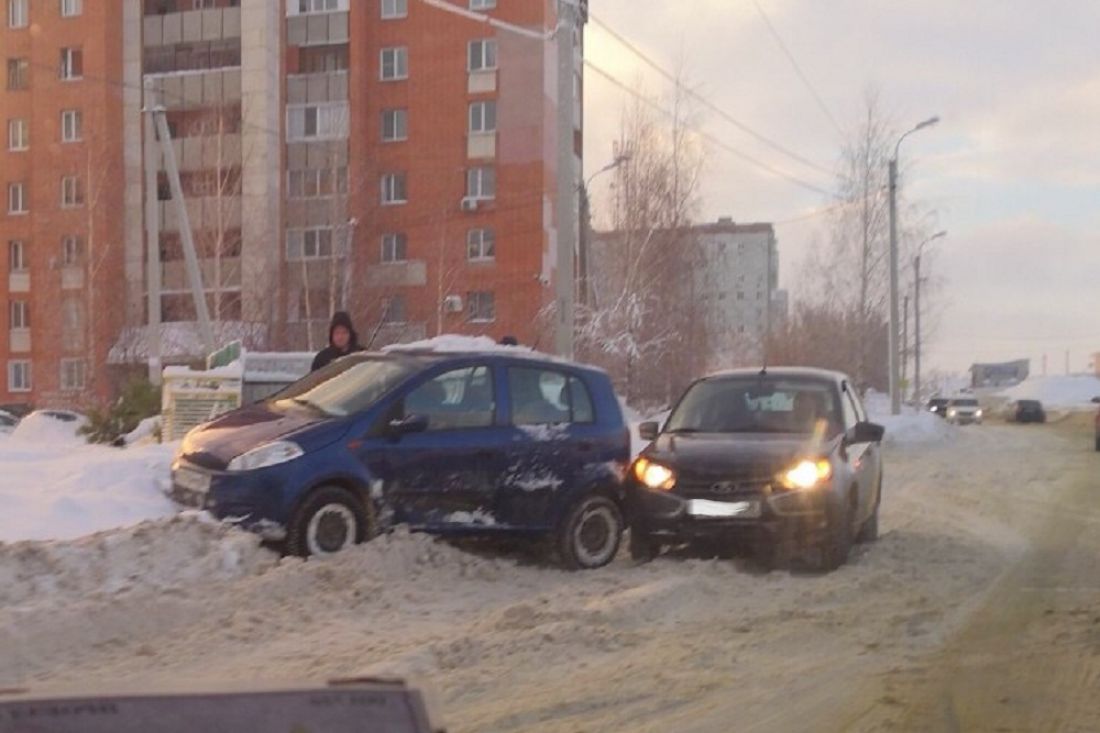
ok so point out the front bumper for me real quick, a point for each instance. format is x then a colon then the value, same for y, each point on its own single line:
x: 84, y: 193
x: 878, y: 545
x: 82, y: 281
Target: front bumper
x: 251, y: 500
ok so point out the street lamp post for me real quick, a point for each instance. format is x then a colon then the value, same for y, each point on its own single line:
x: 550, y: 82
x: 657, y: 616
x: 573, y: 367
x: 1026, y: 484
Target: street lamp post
x: 582, y: 241
x: 895, y: 381
x: 916, y: 312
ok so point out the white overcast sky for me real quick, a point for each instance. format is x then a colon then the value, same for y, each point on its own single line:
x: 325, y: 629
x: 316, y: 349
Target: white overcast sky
x: 1012, y: 171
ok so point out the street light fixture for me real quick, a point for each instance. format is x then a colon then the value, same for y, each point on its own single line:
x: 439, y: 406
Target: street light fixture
x: 582, y: 241
x: 916, y: 313
x: 895, y: 377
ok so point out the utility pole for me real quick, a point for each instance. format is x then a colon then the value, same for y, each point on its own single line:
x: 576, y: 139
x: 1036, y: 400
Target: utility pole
x: 567, y: 214
x: 904, y: 339
x: 152, y: 237
x: 895, y: 393
x: 916, y: 325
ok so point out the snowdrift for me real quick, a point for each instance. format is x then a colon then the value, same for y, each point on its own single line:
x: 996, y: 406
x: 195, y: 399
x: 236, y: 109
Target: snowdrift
x: 1066, y: 392
x: 913, y: 425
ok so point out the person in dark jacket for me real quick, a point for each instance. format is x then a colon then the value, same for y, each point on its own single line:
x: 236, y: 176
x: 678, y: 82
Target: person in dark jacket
x: 342, y: 340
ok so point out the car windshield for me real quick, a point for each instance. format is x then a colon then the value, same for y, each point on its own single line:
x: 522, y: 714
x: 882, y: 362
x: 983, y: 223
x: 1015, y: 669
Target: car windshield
x: 964, y: 403
x: 1029, y: 404
x: 757, y: 404
x: 345, y: 387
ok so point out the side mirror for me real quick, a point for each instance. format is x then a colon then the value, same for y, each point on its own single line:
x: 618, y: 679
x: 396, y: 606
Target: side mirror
x: 866, y: 432
x: 649, y: 430
x: 407, y: 425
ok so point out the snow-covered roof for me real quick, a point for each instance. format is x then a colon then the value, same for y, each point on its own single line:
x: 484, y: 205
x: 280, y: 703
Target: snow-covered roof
x: 180, y: 340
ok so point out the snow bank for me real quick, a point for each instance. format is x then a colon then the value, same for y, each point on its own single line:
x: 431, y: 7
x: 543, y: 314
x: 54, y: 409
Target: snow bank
x: 40, y: 428
x: 1073, y: 391
x: 152, y: 555
x: 56, y: 487
x: 145, y: 431
x: 913, y: 425
x: 452, y: 343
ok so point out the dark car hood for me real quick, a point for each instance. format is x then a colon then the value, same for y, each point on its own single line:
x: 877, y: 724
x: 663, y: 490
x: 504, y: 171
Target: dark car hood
x: 214, y: 444
x: 708, y: 456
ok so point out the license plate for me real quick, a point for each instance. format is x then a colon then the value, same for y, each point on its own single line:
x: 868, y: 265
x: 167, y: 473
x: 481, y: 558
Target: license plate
x: 191, y: 480
x: 708, y: 508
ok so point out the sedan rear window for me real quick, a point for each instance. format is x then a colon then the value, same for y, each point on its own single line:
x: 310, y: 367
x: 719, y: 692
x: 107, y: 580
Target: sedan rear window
x: 345, y: 387
x: 757, y: 405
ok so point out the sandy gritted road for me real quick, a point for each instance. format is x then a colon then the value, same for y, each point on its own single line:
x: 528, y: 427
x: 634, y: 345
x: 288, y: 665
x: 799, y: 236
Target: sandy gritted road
x: 976, y: 610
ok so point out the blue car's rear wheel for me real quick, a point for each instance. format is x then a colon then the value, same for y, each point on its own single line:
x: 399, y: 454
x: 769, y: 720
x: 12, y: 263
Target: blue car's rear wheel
x: 590, y: 534
x: 330, y: 520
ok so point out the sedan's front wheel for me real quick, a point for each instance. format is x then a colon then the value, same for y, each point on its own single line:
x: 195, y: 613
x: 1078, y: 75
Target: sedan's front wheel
x: 590, y: 534
x: 331, y: 519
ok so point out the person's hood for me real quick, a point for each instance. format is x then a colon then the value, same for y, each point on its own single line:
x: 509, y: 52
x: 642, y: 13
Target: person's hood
x: 340, y: 318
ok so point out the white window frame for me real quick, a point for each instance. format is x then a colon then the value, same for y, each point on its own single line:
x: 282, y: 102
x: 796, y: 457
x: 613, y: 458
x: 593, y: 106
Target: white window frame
x: 71, y: 250
x: 23, y: 73
x: 478, y: 179
x: 68, y: 55
x: 72, y: 193
x: 307, y: 243
x: 483, y: 4
x: 71, y: 368
x: 398, y: 119
x: 19, y: 134
x: 17, y: 198
x: 478, y: 297
x: 399, y: 62
x: 202, y: 4
x: 72, y: 126
x: 17, y: 256
x: 19, y: 315
x: 315, y: 7
x: 72, y: 8
x: 394, y: 9
x: 482, y: 240
x: 395, y: 248
x: 390, y: 187
x: 478, y: 118
x: 24, y: 367
x: 479, y: 60
x: 18, y: 14
x: 330, y: 121
x: 311, y: 182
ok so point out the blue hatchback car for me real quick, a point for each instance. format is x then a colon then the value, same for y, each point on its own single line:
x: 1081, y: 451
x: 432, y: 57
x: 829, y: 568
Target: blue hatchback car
x: 449, y: 443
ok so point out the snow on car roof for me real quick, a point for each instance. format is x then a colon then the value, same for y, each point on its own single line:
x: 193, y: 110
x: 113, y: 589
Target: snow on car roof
x: 783, y: 371
x: 456, y: 344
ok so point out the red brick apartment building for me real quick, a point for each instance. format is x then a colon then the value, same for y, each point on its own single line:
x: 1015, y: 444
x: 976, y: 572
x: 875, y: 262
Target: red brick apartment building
x: 393, y: 158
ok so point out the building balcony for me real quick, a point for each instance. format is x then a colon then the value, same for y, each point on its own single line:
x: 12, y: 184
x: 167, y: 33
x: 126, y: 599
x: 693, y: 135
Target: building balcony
x: 481, y: 145
x: 19, y: 340
x: 192, y: 26
x: 19, y: 281
x: 412, y: 273
x: 482, y: 82
x: 72, y: 277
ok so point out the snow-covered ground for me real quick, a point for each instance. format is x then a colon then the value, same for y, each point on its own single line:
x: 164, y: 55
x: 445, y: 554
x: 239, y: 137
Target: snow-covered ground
x: 1074, y: 391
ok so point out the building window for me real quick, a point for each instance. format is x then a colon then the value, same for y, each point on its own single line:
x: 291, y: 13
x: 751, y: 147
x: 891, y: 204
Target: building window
x: 315, y: 243
x: 317, y: 121
x: 321, y: 59
x: 18, y: 135
x: 19, y: 74
x: 202, y: 4
x: 395, y: 64
x: 72, y: 8
x: 305, y: 7
x: 480, y: 244
x: 394, y: 9
x: 394, y: 247
x: 72, y: 193
x: 483, y: 55
x: 17, y: 13
x: 72, y: 125
x: 17, y: 256
x: 73, y: 375
x: 740, y: 295
x: 393, y: 189
x: 483, y: 117
x: 17, y: 198
x: 19, y: 376
x: 395, y: 125
x: 72, y: 250
x: 19, y: 315
x: 72, y: 63
x: 394, y: 310
x: 309, y: 184
x: 482, y: 4
x: 481, y: 183
x: 481, y: 307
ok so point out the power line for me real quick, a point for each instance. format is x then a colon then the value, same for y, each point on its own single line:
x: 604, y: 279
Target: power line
x: 707, y: 103
x: 798, y: 69
x: 706, y: 135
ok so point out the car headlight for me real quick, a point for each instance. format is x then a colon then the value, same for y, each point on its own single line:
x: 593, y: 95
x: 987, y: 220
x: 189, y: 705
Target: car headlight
x: 952, y: 412
x: 807, y: 474
x: 654, y: 475
x: 269, y: 454
x: 978, y: 413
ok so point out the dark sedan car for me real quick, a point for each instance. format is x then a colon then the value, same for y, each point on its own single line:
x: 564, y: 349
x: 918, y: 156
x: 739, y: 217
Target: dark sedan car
x: 938, y: 406
x: 783, y: 460
x: 1029, y: 411
x: 443, y: 442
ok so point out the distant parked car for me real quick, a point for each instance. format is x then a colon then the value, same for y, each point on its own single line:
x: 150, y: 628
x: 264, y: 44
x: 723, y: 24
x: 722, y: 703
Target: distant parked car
x: 8, y: 422
x: 448, y: 443
x: 783, y: 460
x: 1025, y: 411
x: 1096, y: 401
x: 938, y: 405
x: 964, y: 411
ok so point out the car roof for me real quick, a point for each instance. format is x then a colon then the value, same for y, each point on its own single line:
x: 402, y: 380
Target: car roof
x: 783, y: 371
x: 520, y: 356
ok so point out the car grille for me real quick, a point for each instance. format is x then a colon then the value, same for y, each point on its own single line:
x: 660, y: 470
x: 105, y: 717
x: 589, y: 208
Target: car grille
x: 731, y: 486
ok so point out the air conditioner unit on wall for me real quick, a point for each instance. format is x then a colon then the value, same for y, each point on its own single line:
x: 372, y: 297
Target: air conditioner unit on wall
x: 452, y: 304
x: 469, y: 204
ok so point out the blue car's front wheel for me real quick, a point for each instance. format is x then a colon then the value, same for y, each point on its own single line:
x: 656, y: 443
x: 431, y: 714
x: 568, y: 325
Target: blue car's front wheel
x: 330, y: 520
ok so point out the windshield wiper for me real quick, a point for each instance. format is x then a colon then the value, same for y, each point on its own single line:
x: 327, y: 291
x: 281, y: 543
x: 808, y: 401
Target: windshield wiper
x: 676, y: 431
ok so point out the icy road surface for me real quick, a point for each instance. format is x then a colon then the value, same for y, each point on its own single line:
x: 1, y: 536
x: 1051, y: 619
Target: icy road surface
x: 977, y: 610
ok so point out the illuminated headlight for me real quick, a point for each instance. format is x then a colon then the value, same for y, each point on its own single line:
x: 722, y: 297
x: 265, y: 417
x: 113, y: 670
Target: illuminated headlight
x: 269, y: 454
x: 654, y: 475
x: 952, y: 412
x: 807, y: 474
x: 978, y: 413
